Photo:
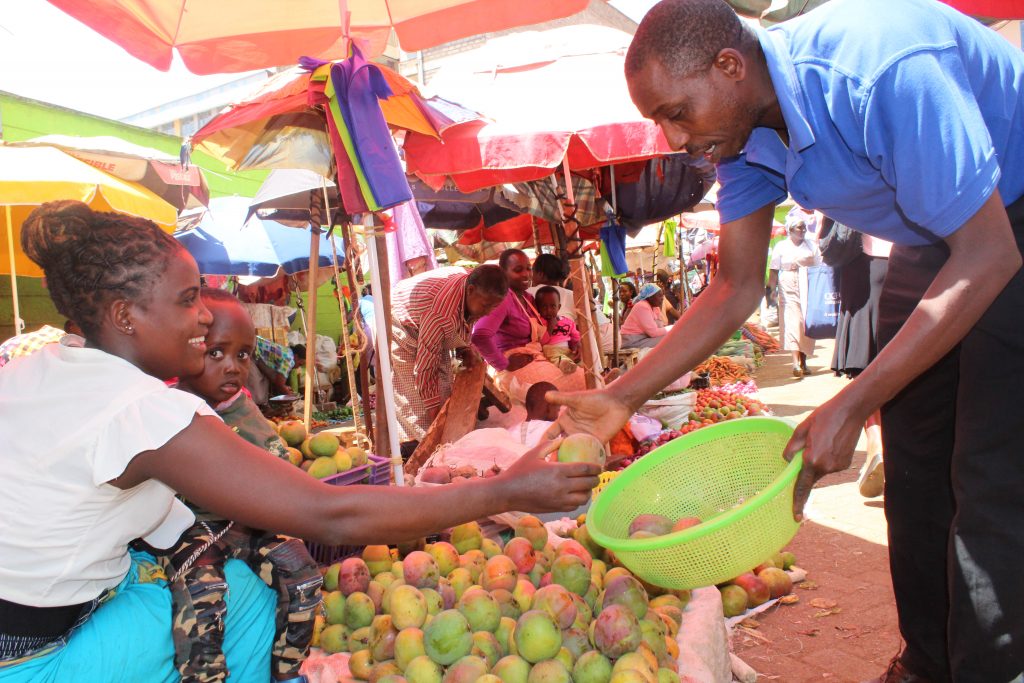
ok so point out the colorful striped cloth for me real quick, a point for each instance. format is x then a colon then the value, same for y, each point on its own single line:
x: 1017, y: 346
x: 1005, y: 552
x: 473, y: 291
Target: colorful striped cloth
x: 30, y: 342
x: 277, y: 356
x: 370, y: 173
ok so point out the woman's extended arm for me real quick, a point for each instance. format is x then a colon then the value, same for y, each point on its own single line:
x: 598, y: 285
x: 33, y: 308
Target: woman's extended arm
x: 484, y: 332
x: 213, y: 467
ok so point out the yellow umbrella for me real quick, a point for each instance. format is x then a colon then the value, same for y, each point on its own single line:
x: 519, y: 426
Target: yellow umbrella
x: 30, y: 176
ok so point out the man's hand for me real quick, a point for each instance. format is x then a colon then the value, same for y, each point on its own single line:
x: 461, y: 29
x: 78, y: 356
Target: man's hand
x: 468, y: 356
x: 828, y: 438
x: 534, y: 485
x: 518, y: 361
x: 596, y: 412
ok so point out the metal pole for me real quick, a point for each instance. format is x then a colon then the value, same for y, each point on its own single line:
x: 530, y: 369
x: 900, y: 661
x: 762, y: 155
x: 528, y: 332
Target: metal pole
x: 18, y: 324
x: 314, y: 262
x: 385, y: 383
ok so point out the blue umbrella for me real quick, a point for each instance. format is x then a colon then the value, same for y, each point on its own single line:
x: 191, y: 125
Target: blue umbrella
x: 226, y: 242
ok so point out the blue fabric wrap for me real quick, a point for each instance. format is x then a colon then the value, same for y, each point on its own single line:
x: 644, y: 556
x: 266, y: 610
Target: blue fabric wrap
x: 128, y: 639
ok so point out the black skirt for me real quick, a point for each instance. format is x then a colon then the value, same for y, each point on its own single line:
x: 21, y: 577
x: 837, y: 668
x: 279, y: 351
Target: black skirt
x: 860, y: 284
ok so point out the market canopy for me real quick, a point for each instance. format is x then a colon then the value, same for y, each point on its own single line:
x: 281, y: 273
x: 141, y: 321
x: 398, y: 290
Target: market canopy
x: 30, y: 176
x: 230, y: 241
x: 278, y: 126
x: 220, y: 36
x: 176, y: 183
x: 549, y: 95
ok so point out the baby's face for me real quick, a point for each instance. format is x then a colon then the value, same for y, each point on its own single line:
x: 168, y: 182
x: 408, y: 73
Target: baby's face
x: 547, y: 306
x: 229, y: 348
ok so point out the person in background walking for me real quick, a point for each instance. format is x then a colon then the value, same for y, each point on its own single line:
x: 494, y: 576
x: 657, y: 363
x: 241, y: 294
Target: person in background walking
x: 788, y: 257
x: 861, y: 262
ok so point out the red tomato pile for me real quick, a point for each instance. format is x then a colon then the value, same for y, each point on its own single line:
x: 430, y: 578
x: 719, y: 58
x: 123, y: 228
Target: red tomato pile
x: 713, y: 405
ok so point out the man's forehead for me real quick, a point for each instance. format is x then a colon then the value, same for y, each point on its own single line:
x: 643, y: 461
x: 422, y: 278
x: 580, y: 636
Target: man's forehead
x: 653, y: 88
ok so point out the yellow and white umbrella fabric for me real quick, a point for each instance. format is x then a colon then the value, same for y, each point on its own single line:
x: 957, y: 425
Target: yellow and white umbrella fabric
x: 30, y: 176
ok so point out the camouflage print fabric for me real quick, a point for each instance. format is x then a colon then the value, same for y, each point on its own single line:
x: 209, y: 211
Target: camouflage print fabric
x: 198, y: 598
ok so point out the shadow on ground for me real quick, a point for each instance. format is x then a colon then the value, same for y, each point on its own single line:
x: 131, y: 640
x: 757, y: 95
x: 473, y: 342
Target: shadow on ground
x: 844, y: 551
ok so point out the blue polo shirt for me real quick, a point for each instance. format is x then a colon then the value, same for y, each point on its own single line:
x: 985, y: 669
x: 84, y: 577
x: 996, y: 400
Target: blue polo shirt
x: 903, y: 117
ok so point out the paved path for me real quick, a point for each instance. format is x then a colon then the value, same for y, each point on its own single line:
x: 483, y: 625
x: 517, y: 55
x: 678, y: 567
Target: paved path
x: 843, y: 547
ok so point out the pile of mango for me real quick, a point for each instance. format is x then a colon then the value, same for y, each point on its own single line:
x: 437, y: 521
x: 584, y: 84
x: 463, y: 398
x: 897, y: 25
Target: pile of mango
x: 471, y: 610
x: 322, y: 455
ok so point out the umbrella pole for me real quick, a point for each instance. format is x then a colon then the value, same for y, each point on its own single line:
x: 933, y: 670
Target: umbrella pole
x: 14, y: 276
x: 580, y: 290
x: 385, y: 383
x: 364, y: 374
x: 341, y: 308
x: 314, y: 261
x: 345, y: 337
x: 614, y: 283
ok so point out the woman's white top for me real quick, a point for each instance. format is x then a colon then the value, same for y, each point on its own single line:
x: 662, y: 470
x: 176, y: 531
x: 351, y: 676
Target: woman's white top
x: 72, y: 418
x: 789, y: 256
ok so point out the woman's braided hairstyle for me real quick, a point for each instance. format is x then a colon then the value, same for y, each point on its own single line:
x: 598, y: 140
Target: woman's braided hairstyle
x: 91, y: 258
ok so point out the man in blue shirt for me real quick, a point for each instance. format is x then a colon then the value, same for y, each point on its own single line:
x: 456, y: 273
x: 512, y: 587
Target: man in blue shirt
x: 904, y: 120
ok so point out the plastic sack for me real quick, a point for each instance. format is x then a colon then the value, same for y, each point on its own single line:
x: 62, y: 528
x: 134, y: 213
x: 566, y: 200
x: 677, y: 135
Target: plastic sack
x: 326, y: 353
x: 481, y: 449
x: 671, y: 411
x: 644, y: 427
x: 680, y: 384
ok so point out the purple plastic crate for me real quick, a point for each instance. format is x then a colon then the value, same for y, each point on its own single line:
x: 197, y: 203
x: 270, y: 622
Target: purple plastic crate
x: 376, y: 472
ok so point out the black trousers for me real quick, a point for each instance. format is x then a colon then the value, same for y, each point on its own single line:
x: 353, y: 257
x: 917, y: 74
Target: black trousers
x: 954, y: 484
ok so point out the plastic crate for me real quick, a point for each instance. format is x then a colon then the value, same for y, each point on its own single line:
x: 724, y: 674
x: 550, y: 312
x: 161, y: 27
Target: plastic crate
x: 376, y: 472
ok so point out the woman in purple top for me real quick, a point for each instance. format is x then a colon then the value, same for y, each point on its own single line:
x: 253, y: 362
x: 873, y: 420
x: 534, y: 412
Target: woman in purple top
x: 510, y: 325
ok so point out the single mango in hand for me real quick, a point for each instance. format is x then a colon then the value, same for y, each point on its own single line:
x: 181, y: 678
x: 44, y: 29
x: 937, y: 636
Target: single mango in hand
x: 582, y: 448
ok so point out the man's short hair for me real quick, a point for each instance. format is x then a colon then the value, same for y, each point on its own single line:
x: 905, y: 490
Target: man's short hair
x: 685, y: 36
x: 489, y: 279
x: 545, y: 291
x: 536, y: 393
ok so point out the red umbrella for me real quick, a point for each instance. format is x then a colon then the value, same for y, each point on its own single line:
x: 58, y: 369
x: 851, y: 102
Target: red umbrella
x: 553, y: 95
x: 219, y: 36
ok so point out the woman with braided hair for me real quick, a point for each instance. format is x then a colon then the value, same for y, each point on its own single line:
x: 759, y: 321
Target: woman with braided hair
x: 75, y: 602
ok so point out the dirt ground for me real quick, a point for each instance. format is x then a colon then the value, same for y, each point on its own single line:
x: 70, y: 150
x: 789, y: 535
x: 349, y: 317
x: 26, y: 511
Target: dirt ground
x: 844, y: 626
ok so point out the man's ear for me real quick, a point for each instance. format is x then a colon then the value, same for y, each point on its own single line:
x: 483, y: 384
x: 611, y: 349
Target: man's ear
x: 731, y: 64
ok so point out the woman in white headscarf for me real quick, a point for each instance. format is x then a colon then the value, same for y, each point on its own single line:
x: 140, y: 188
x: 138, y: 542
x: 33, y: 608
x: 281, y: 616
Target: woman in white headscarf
x: 788, y: 257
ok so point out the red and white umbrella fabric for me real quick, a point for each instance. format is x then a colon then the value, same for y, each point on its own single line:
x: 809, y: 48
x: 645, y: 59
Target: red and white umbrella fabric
x: 549, y: 96
x: 222, y: 36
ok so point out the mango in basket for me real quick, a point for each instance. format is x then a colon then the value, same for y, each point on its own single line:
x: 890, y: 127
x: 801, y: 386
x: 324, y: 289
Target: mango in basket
x: 323, y: 467
x: 293, y: 432
x: 358, y: 455
x: 324, y: 444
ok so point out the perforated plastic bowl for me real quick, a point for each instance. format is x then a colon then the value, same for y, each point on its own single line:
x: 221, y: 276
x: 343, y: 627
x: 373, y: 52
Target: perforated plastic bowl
x: 732, y: 476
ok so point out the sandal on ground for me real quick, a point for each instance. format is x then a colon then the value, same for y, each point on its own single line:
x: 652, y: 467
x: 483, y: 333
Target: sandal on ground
x: 871, y: 482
